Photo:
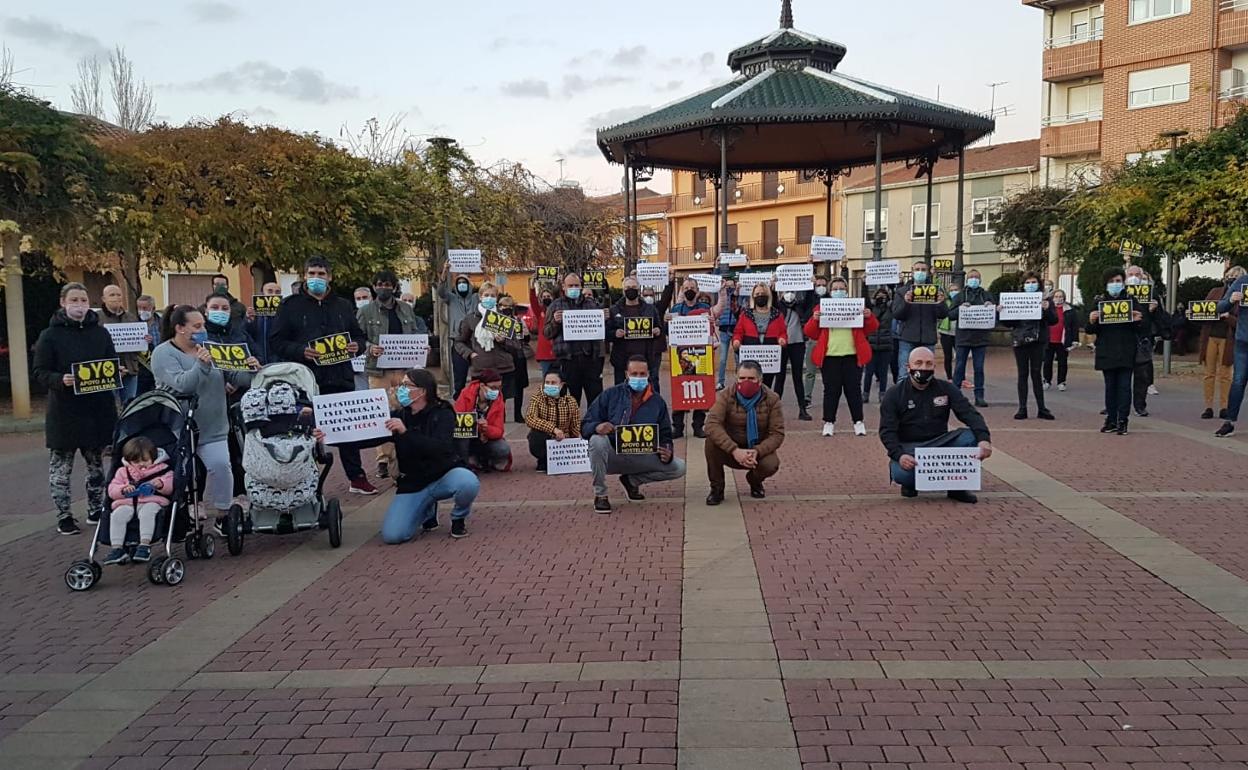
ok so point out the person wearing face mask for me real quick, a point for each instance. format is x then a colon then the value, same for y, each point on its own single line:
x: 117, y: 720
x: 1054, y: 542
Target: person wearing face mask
x: 579, y: 360
x: 1232, y: 304
x: 841, y: 354
x: 727, y: 324
x: 947, y: 331
x: 308, y: 316
x: 485, y: 349
x: 809, y: 370
x: 762, y: 323
x: 483, y: 396
x: 518, y: 382
x: 744, y: 430
x: 258, y: 326
x: 145, y: 306
x: 74, y: 424
x: 971, y: 343
x: 881, y: 341
x: 1217, y: 347
x: 238, y: 311
x: 915, y: 413
x: 1116, y: 346
x: 461, y: 300
x: 220, y: 330
x: 541, y: 297
x: 1030, y: 339
x: 1063, y: 337
x: 796, y: 309
x: 1157, y: 324
x: 553, y: 416
x: 386, y: 315
x: 632, y: 403
x: 631, y: 306
x: 916, y: 322
x: 694, y: 303
x: 112, y: 312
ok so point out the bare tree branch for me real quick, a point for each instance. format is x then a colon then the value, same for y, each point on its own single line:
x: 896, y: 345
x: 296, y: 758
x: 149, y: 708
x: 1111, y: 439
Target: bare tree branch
x: 385, y: 144
x: 132, y: 97
x: 87, y: 95
x: 8, y: 68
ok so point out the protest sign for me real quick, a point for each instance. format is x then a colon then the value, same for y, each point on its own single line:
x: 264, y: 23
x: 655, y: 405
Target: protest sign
x: 825, y: 248
x: 129, y: 338
x: 693, y: 378
x: 1203, y: 310
x: 795, y: 278
x: 708, y: 283
x: 1131, y: 249
x: 835, y: 313
x: 583, y: 325
x: 883, y: 272
x: 734, y: 259
x: 977, y: 317
x: 464, y: 260
x: 638, y: 328
x: 1143, y: 293
x: 229, y: 356
x: 332, y: 349
x: 689, y: 330
x: 356, y: 416
x: 97, y: 376
x: 947, y: 469
x: 1020, y: 305
x: 747, y: 281
x: 654, y: 274
x: 403, y: 351
x: 925, y: 294
x: 1115, y: 311
x: 510, y: 327
x: 465, y: 425
x: 768, y: 356
x: 547, y: 273
x: 357, y: 364
x: 265, y: 304
x: 636, y: 439
x: 568, y: 456
x: 943, y: 265
x: 594, y: 280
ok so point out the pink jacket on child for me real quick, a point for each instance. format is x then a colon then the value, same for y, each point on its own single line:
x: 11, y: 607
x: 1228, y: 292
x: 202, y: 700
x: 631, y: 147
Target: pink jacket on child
x: 126, y: 476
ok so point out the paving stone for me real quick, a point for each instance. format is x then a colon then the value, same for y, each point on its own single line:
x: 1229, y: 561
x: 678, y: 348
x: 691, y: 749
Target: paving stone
x: 738, y: 759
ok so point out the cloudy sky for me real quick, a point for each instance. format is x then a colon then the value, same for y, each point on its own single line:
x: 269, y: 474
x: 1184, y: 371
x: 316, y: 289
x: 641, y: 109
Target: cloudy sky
x: 527, y: 81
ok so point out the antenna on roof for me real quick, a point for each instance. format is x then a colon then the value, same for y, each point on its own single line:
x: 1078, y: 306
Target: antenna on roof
x: 786, y: 14
x: 992, y: 110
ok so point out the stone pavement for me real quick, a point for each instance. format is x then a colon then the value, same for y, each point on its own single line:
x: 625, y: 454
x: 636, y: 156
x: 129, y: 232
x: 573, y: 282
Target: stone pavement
x: 1090, y: 612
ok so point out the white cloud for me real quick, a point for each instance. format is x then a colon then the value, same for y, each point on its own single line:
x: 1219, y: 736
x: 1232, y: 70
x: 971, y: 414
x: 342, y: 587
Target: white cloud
x: 302, y: 84
x: 54, y: 35
x: 529, y: 88
x: 214, y: 11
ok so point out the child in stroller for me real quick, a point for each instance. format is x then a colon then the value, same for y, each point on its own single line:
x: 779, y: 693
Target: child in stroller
x: 139, y: 490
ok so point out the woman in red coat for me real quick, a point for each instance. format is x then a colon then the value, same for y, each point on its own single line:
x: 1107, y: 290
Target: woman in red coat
x: 764, y: 316
x: 840, y: 354
x: 539, y: 300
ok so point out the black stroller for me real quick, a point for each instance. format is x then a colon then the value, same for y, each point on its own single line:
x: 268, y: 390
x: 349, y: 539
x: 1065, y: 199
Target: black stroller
x: 167, y: 419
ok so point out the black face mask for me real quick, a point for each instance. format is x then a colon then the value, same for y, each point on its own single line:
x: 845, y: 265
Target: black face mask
x: 690, y: 294
x: 385, y: 295
x: 546, y: 301
x: 881, y: 300
x: 922, y: 376
x: 631, y: 294
x: 761, y: 300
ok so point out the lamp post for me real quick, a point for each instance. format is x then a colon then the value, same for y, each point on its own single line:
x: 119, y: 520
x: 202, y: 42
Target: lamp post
x: 440, y: 149
x: 1172, y: 272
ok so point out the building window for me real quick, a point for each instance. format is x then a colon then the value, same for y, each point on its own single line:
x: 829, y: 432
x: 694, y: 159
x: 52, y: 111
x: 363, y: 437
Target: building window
x: 733, y: 243
x: 771, y: 238
x: 699, y: 240
x: 699, y: 187
x: 1166, y: 85
x: 985, y: 214
x: 1087, y: 24
x: 918, y: 218
x: 868, y: 225
x: 805, y: 227
x: 1149, y: 10
x: 1151, y: 156
x: 649, y: 242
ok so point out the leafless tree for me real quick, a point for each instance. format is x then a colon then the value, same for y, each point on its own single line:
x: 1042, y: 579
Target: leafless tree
x: 8, y: 67
x: 382, y: 143
x: 132, y: 96
x: 87, y: 95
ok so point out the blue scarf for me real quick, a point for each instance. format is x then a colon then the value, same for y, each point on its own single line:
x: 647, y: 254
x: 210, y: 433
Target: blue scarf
x: 751, y: 417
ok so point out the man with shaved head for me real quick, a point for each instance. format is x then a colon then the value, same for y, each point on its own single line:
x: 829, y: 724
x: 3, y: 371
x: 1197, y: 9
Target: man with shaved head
x: 915, y: 413
x: 115, y: 312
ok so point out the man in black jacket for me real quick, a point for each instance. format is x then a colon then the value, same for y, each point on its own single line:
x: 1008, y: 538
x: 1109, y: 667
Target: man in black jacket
x: 626, y: 330
x: 915, y: 412
x: 238, y: 311
x: 918, y: 320
x: 971, y: 343
x: 306, y: 317
x: 1157, y: 323
x: 579, y: 360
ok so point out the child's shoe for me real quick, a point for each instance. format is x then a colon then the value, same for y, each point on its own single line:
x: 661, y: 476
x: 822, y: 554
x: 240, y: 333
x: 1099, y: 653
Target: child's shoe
x: 116, y: 556
x: 142, y: 553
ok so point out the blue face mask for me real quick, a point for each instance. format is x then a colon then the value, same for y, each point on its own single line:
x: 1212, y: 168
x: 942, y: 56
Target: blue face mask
x: 573, y: 293
x: 199, y: 337
x: 317, y: 286
x: 638, y: 384
x: 972, y: 283
x: 920, y: 276
x: 491, y: 394
x: 1114, y: 289
x: 219, y: 317
x: 551, y: 390
x: 953, y: 293
x: 489, y: 303
x: 403, y: 395
x: 1031, y: 287
x: 839, y: 294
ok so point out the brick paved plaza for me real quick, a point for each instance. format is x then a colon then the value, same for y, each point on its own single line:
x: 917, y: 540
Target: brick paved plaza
x: 1090, y: 612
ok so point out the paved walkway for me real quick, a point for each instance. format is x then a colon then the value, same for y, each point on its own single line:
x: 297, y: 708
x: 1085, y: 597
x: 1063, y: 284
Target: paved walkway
x: 1091, y: 611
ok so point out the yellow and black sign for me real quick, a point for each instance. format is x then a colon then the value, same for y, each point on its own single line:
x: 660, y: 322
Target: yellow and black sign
x: 594, y: 280
x: 1130, y: 249
x: 1115, y: 311
x: 229, y: 356
x: 1203, y: 310
x: 925, y: 293
x: 547, y: 273
x: 637, y: 439
x: 332, y: 349
x: 638, y: 328
x: 265, y: 304
x: 465, y: 425
x: 96, y: 376
x: 942, y: 265
x: 508, y: 326
x: 1142, y: 293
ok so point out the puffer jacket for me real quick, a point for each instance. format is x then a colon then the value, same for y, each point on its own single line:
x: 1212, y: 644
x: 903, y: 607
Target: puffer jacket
x: 159, y: 471
x: 725, y: 422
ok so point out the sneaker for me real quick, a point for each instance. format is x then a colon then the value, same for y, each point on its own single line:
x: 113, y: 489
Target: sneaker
x: 360, y: 486
x: 1141, y: 412
x: 829, y: 428
x: 1061, y: 386
x: 1227, y: 429
x: 633, y: 491
x: 116, y: 556
x: 429, y: 525
x: 804, y: 416
x: 860, y: 428
x: 1021, y: 414
x: 602, y: 505
x: 980, y: 401
x: 459, y: 528
x: 962, y: 496
x: 1045, y: 414
x: 1109, y: 427
x: 1122, y: 428
x: 219, y: 527
x: 93, y: 517
x: 142, y: 553
x: 1207, y: 414
x: 1047, y: 386
x: 67, y: 526
x: 1152, y: 390
x: 383, y: 470
x: 909, y: 492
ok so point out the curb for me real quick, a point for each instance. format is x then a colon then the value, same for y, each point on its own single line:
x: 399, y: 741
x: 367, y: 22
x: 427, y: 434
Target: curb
x: 28, y: 425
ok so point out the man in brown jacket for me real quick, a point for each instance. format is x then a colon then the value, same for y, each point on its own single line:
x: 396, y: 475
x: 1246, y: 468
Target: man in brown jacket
x: 744, y: 430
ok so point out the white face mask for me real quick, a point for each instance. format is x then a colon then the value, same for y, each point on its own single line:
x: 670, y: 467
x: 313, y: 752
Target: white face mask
x: 361, y: 303
x: 145, y: 315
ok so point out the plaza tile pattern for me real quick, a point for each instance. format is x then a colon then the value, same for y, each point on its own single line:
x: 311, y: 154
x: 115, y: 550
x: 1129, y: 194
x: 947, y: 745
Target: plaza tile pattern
x: 1212, y: 527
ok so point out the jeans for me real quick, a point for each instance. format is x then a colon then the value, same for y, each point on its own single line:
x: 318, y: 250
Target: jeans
x: 841, y: 374
x: 1056, y: 350
x: 946, y: 347
x: 408, y: 511
x: 961, y: 437
x: 218, y: 491
x: 583, y: 376
x: 1238, y: 380
x: 1117, y: 394
x: 495, y: 455
x: 809, y: 371
x: 877, y: 368
x: 1027, y: 360
x: 790, y: 358
x: 725, y: 344
x: 545, y: 365
x: 903, y: 355
x: 977, y: 359
x: 61, y: 468
x: 129, y: 388
x: 640, y: 469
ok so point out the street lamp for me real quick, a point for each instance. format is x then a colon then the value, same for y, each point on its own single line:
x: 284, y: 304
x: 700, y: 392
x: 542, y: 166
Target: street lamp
x: 1172, y: 268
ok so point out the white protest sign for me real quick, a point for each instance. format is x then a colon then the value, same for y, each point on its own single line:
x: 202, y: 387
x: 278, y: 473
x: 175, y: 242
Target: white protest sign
x: 355, y: 416
x: 583, y: 325
x: 768, y: 356
x: 464, y: 260
x: 795, y: 278
x: 403, y: 351
x: 708, y: 283
x: 129, y: 338
x: 837, y: 313
x: 747, y: 281
x: 686, y: 330
x: 568, y: 456
x: 357, y: 364
x: 825, y: 248
x: 884, y: 272
x: 947, y: 469
x: 735, y: 259
x: 1020, y: 305
x: 977, y: 317
x: 654, y: 274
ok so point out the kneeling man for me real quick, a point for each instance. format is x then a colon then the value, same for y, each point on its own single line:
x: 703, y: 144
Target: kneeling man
x: 744, y: 430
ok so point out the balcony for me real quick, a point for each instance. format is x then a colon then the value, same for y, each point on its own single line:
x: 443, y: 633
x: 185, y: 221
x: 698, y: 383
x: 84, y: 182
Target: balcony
x: 1232, y: 23
x: 789, y: 188
x: 1083, y: 138
x: 1072, y: 57
x: 1230, y: 102
x: 1071, y: 119
x: 759, y: 254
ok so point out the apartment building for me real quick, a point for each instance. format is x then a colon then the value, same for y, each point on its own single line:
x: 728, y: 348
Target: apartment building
x: 1119, y: 74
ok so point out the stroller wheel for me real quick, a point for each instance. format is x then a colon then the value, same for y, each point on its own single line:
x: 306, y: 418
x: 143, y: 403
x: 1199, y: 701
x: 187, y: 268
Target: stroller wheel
x: 97, y: 570
x: 191, y: 545
x: 173, y: 572
x: 207, y: 545
x: 155, y: 570
x: 80, y: 576
x: 234, y: 530
x: 333, y: 522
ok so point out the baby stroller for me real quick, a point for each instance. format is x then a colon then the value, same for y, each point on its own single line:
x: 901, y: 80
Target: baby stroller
x: 167, y: 419
x: 284, y: 483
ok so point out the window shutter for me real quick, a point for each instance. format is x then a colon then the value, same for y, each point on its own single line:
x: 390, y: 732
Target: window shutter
x: 805, y: 229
